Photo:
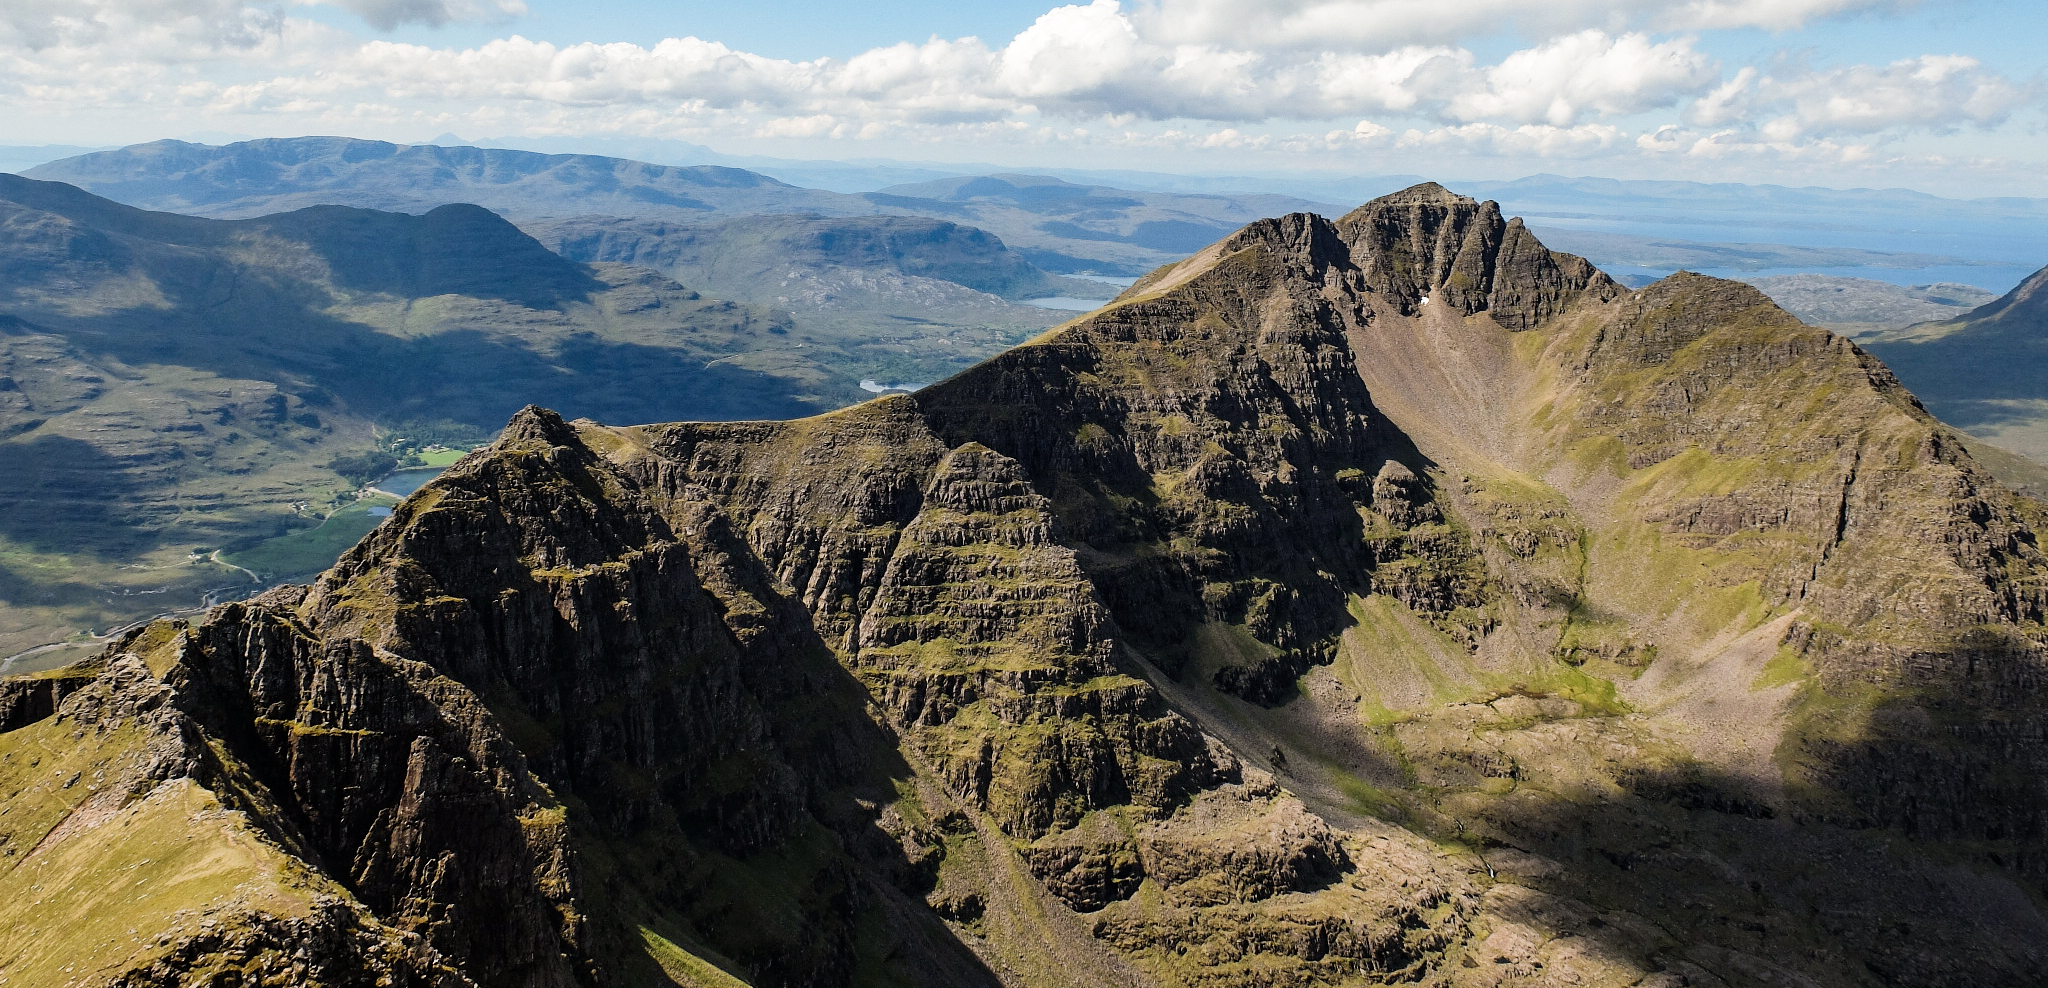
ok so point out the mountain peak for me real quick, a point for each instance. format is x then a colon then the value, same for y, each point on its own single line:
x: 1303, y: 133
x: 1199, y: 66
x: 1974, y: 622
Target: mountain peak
x: 536, y: 423
x: 2028, y: 302
x: 1422, y: 193
x: 1428, y: 244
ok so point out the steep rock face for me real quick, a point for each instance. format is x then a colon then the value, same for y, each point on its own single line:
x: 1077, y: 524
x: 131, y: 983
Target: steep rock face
x: 25, y: 700
x: 669, y: 690
x: 976, y: 630
x: 985, y: 630
x: 380, y: 772
x: 661, y: 714
x: 1204, y: 441
x: 1270, y: 626
x: 1705, y: 360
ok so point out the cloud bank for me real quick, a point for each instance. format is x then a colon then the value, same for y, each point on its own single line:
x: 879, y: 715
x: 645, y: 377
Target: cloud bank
x: 1324, y: 77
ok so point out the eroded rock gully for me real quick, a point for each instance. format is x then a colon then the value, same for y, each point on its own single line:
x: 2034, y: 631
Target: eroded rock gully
x: 1189, y: 645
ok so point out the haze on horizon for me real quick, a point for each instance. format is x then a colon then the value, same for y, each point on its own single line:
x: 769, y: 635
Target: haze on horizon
x: 1942, y: 97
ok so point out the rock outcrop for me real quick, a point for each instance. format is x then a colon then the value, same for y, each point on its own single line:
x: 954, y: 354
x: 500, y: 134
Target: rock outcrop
x: 1385, y: 600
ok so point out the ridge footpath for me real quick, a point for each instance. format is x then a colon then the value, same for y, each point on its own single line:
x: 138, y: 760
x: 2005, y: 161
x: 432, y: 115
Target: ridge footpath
x: 1381, y: 600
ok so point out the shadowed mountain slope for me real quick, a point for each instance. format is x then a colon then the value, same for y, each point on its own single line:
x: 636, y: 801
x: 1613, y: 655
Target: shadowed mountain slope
x: 886, y: 292
x: 450, y: 314
x: 1385, y: 600
x: 1986, y: 371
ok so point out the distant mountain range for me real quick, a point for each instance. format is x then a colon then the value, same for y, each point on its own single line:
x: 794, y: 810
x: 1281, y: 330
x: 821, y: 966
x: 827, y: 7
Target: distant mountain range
x: 1058, y: 225
x: 269, y: 176
x: 1081, y: 220
x: 405, y: 315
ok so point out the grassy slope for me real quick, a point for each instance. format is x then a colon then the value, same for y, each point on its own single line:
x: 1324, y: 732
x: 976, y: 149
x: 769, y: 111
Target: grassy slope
x: 93, y: 879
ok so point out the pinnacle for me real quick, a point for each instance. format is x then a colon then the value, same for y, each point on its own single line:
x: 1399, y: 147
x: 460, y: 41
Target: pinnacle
x: 535, y: 422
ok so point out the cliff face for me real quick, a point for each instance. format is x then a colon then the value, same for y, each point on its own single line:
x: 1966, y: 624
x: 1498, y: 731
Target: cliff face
x: 1389, y: 599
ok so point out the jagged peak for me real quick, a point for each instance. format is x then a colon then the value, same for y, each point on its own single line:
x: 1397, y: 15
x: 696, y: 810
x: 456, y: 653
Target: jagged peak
x: 542, y: 424
x: 1427, y: 242
x: 1304, y: 233
x: 1421, y: 245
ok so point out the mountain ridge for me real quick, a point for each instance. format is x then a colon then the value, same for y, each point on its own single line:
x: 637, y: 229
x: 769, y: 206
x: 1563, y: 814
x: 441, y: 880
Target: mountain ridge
x: 1381, y: 599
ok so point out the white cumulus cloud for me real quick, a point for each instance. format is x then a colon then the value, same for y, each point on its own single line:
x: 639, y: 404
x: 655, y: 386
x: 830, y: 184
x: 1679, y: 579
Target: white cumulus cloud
x: 1931, y: 92
x: 196, y: 27
x: 199, y: 27
x: 1328, y: 77
x: 1587, y: 73
x: 1775, y: 15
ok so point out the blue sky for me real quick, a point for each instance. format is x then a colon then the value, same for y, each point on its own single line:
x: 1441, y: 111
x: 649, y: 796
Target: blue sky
x: 1946, y: 97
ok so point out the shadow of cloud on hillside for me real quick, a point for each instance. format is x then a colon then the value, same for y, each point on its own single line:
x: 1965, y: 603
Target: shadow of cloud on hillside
x: 632, y: 383
x: 1974, y: 371
x: 1716, y: 878
x: 224, y: 314
x: 1978, y: 412
x: 64, y: 495
x: 457, y: 249
x: 1918, y: 863
x: 1901, y: 847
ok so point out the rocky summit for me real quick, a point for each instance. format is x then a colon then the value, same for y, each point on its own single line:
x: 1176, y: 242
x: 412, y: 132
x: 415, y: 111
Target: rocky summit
x: 1380, y: 600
